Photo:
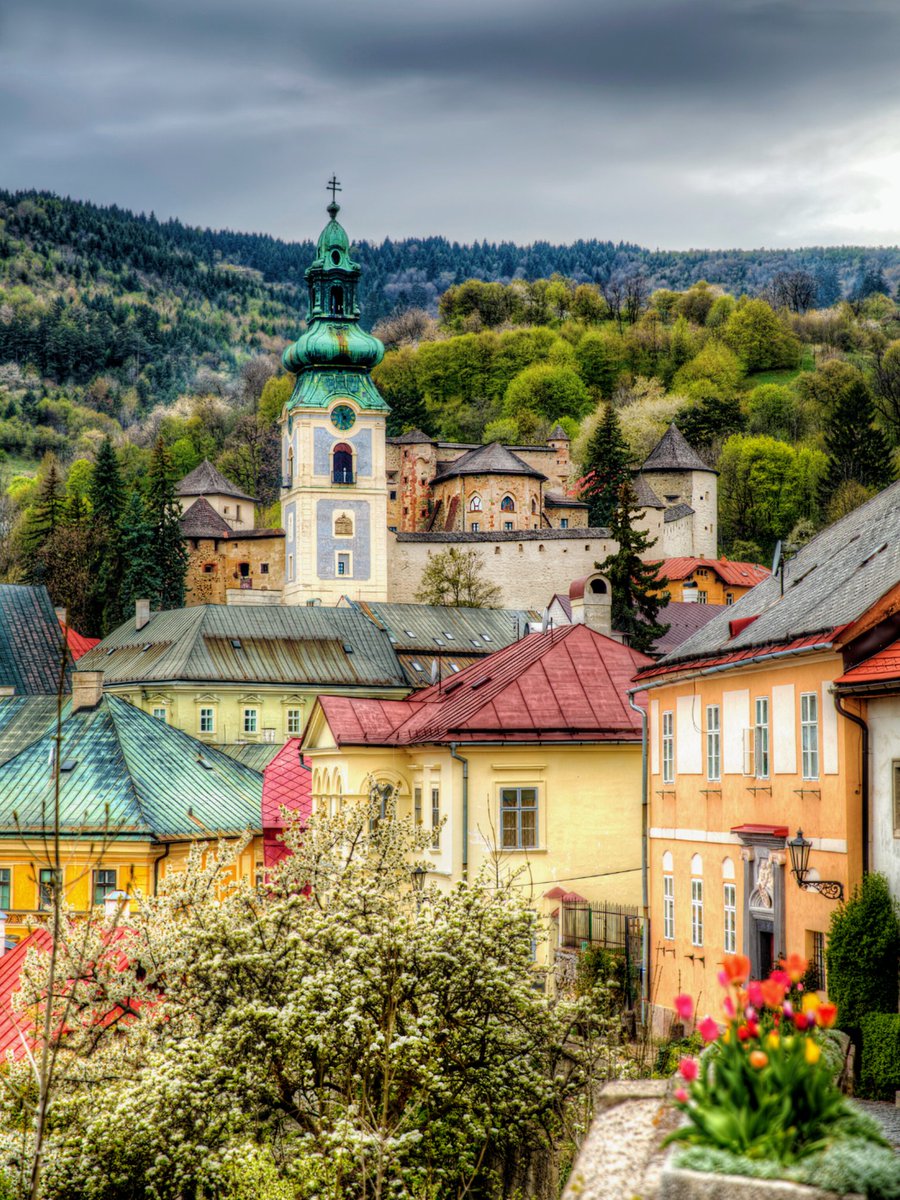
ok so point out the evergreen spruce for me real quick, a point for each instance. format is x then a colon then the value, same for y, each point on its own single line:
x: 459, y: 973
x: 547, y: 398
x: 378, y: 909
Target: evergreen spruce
x: 636, y: 589
x: 857, y: 449
x: 170, y: 556
x: 140, y: 574
x: 107, y: 497
x: 44, y: 518
x: 606, y: 469
x: 107, y: 492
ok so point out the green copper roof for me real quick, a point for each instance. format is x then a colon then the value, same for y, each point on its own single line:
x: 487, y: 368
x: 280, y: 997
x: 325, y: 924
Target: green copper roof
x: 128, y: 774
x: 333, y: 337
x: 321, y: 389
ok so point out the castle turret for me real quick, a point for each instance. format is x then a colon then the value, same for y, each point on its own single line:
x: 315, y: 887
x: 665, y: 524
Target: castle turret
x: 688, y: 489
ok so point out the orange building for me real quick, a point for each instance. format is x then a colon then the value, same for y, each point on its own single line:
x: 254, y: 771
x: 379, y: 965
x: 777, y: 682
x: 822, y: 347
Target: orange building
x: 749, y: 743
x: 710, y: 580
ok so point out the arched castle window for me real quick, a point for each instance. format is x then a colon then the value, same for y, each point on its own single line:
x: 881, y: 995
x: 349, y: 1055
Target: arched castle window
x: 533, y: 506
x: 507, y: 504
x: 336, y: 303
x: 475, y: 504
x: 342, y: 463
x: 598, y: 587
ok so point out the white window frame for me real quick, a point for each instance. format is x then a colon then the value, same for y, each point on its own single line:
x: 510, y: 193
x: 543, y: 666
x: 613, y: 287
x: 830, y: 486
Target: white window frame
x: 713, y: 743
x: 160, y: 714
x: 251, y: 720
x: 668, y: 747
x: 339, y: 555
x: 294, y: 722
x: 761, y: 750
x: 729, y: 908
x: 207, y: 714
x: 809, y: 734
x: 435, y: 817
x: 519, y: 808
x: 669, y: 908
x: 696, y: 911
x: 702, y: 597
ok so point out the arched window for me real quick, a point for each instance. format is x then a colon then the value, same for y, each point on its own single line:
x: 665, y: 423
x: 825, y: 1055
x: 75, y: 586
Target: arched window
x: 336, y: 305
x: 533, y: 506
x: 342, y: 463
x: 507, y: 504
x: 598, y: 587
x: 475, y: 504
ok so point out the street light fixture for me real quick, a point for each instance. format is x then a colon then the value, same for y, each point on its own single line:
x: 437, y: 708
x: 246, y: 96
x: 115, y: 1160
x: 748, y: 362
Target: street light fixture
x: 417, y: 874
x: 799, y: 848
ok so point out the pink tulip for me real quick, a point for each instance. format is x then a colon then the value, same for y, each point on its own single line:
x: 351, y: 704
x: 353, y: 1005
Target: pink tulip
x: 689, y: 1069
x: 728, y: 1005
x: 754, y: 992
x: 709, y: 1029
x: 681, y: 1095
x: 684, y: 1006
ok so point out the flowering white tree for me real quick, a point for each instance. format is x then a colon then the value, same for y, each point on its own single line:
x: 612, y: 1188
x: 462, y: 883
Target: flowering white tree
x: 364, y: 1046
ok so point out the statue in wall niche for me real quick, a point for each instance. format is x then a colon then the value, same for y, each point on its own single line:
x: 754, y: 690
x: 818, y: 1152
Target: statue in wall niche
x: 762, y: 893
x: 343, y: 525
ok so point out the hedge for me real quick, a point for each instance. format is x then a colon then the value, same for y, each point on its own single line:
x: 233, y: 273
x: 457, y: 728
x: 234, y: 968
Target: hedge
x: 863, y: 953
x: 880, y: 1069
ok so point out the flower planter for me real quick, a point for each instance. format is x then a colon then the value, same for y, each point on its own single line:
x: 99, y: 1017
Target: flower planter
x: 677, y: 1183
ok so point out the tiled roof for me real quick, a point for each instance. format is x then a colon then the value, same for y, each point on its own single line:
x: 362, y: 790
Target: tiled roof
x: 514, y: 535
x: 246, y: 643
x: 560, y: 500
x: 734, y: 574
x: 79, y: 644
x: 883, y: 667
x: 415, y: 437
x: 492, y: 459
x: 829, y: 583
x: 558, y: 434
x: 564, y: 685
x: 206, y: 480
x: 683, y: 619
x: 673, y: 453
x: 31, y: 641
x: 129, y: 775
x: 678, y: 512
x: 202, y: 520
x: 287, y: 783
x: 646, y: 496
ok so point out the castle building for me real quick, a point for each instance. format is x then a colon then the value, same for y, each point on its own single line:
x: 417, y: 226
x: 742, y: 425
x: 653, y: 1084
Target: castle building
x: 679, y: 495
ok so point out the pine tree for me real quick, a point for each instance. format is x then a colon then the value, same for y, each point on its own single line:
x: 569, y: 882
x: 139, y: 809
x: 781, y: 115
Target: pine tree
x: 140, y: 576
x: 856, y: 447
x: 107, y: 497
x: 107, y: 493
x: 636, y: 588
x: 606, y: 469
x: 43, y: 519
x: 164, y: 513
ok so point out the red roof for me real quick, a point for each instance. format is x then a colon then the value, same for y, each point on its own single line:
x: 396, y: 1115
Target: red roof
x: 566, y: 685
x: 734, y: 574
x: 797, y: 646
x: 768, y: 830
x: 287, y: 783
x: 880, y: 668
x: 78, y: 644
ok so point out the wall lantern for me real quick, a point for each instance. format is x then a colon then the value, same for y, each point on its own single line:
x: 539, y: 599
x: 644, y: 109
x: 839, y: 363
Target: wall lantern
x: 417, y: 874
x: 799, y: 848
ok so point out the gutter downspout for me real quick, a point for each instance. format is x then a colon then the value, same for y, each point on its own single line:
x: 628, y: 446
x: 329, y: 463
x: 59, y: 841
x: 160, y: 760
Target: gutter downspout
x: 645, y: 882
x: 864, y: 777
x: 156, y: 863
x: 465, y: 810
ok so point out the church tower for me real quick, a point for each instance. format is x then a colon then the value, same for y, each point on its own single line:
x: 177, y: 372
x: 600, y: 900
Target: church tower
x: 334, y: 491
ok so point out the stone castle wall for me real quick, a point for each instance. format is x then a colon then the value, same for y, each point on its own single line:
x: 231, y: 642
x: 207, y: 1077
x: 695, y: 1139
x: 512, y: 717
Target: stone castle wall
x: 214, y: 568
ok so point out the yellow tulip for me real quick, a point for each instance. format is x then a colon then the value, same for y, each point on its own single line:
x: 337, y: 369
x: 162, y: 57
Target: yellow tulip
x: 772, y: 1040
x: 812, y: 1051
x: 810, y: 1002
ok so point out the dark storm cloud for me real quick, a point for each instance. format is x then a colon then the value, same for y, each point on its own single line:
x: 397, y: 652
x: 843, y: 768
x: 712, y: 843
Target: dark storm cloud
x: 669, y: 122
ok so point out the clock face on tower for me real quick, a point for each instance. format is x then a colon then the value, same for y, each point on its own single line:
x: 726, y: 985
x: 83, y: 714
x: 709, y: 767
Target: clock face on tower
x: 343, y: 417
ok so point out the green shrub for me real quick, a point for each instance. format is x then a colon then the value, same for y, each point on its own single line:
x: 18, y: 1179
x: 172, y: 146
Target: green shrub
x: 864, y: 953
x: 880, y: 1069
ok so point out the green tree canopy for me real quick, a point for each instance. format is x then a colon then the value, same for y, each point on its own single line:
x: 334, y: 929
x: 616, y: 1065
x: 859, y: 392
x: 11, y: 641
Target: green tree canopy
x: 759, y: 337
x: 606, y: 469
x: 550, y: 391
x: 456, y: 578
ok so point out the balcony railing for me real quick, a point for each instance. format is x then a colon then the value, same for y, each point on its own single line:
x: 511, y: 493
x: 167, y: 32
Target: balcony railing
x: 342, y: 475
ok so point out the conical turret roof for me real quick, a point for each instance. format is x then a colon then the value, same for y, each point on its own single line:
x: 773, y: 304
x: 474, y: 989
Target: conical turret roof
x: 673, y: 453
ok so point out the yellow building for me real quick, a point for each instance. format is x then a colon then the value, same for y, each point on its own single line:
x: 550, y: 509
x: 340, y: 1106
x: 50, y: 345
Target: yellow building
x: 530, y: 758
x: 134, y: 796
x: 710, y: 580
x: 749, y: 745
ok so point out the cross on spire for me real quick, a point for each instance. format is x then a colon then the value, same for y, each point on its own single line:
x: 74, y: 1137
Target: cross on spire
x: 333, y: 186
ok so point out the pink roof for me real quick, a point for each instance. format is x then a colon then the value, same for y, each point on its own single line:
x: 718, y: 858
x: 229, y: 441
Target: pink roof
x: 78, y: 644
x: 566, y: 685
x: 880, y: 668
x: 797, y: 646
x: 734, y: 574
x: 287, y: 783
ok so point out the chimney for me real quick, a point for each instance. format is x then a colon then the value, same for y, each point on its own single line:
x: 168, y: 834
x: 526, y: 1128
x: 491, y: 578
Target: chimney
x: 141, y: 613
x: 116, y: 906
x: 87, y: 689
x: 591, y: 600
x: 3, y: 919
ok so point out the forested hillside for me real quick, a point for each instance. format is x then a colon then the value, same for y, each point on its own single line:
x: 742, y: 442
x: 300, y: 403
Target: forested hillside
x: 152, y: 345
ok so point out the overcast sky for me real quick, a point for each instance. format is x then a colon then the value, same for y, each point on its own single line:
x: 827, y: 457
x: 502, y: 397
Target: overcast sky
x: 671, y: 123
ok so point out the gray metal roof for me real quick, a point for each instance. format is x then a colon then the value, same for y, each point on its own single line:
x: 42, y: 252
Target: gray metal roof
x: 492, y: 459
x: 437, y: 629
x: 24, y: 719
x: 329, y: 647
x: 831, y: 581
x: 31, y: 641
x: 207, y: 480
x: 673, y: 453
x: 560, y: 500
x: 677, y: 512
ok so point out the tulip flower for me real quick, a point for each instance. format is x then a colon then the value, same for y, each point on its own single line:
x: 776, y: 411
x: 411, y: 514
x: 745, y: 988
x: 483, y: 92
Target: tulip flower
x: 681, y: 1095
x: 736, y: 967
x: 684, y: 1006
x: 758, y: 1059
x: 772, y: 992
x: 689, y: 1069
x: 709, y: 1029
x: 728, y: 1005
x: 810, y: 1002
x: 801, y: 1021
x: 772, y: 1040
x: 754, y: 994
x: 781, y: 977
x: 812, y: 1051
x: 795, y: 966
x: 826, y: 1015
